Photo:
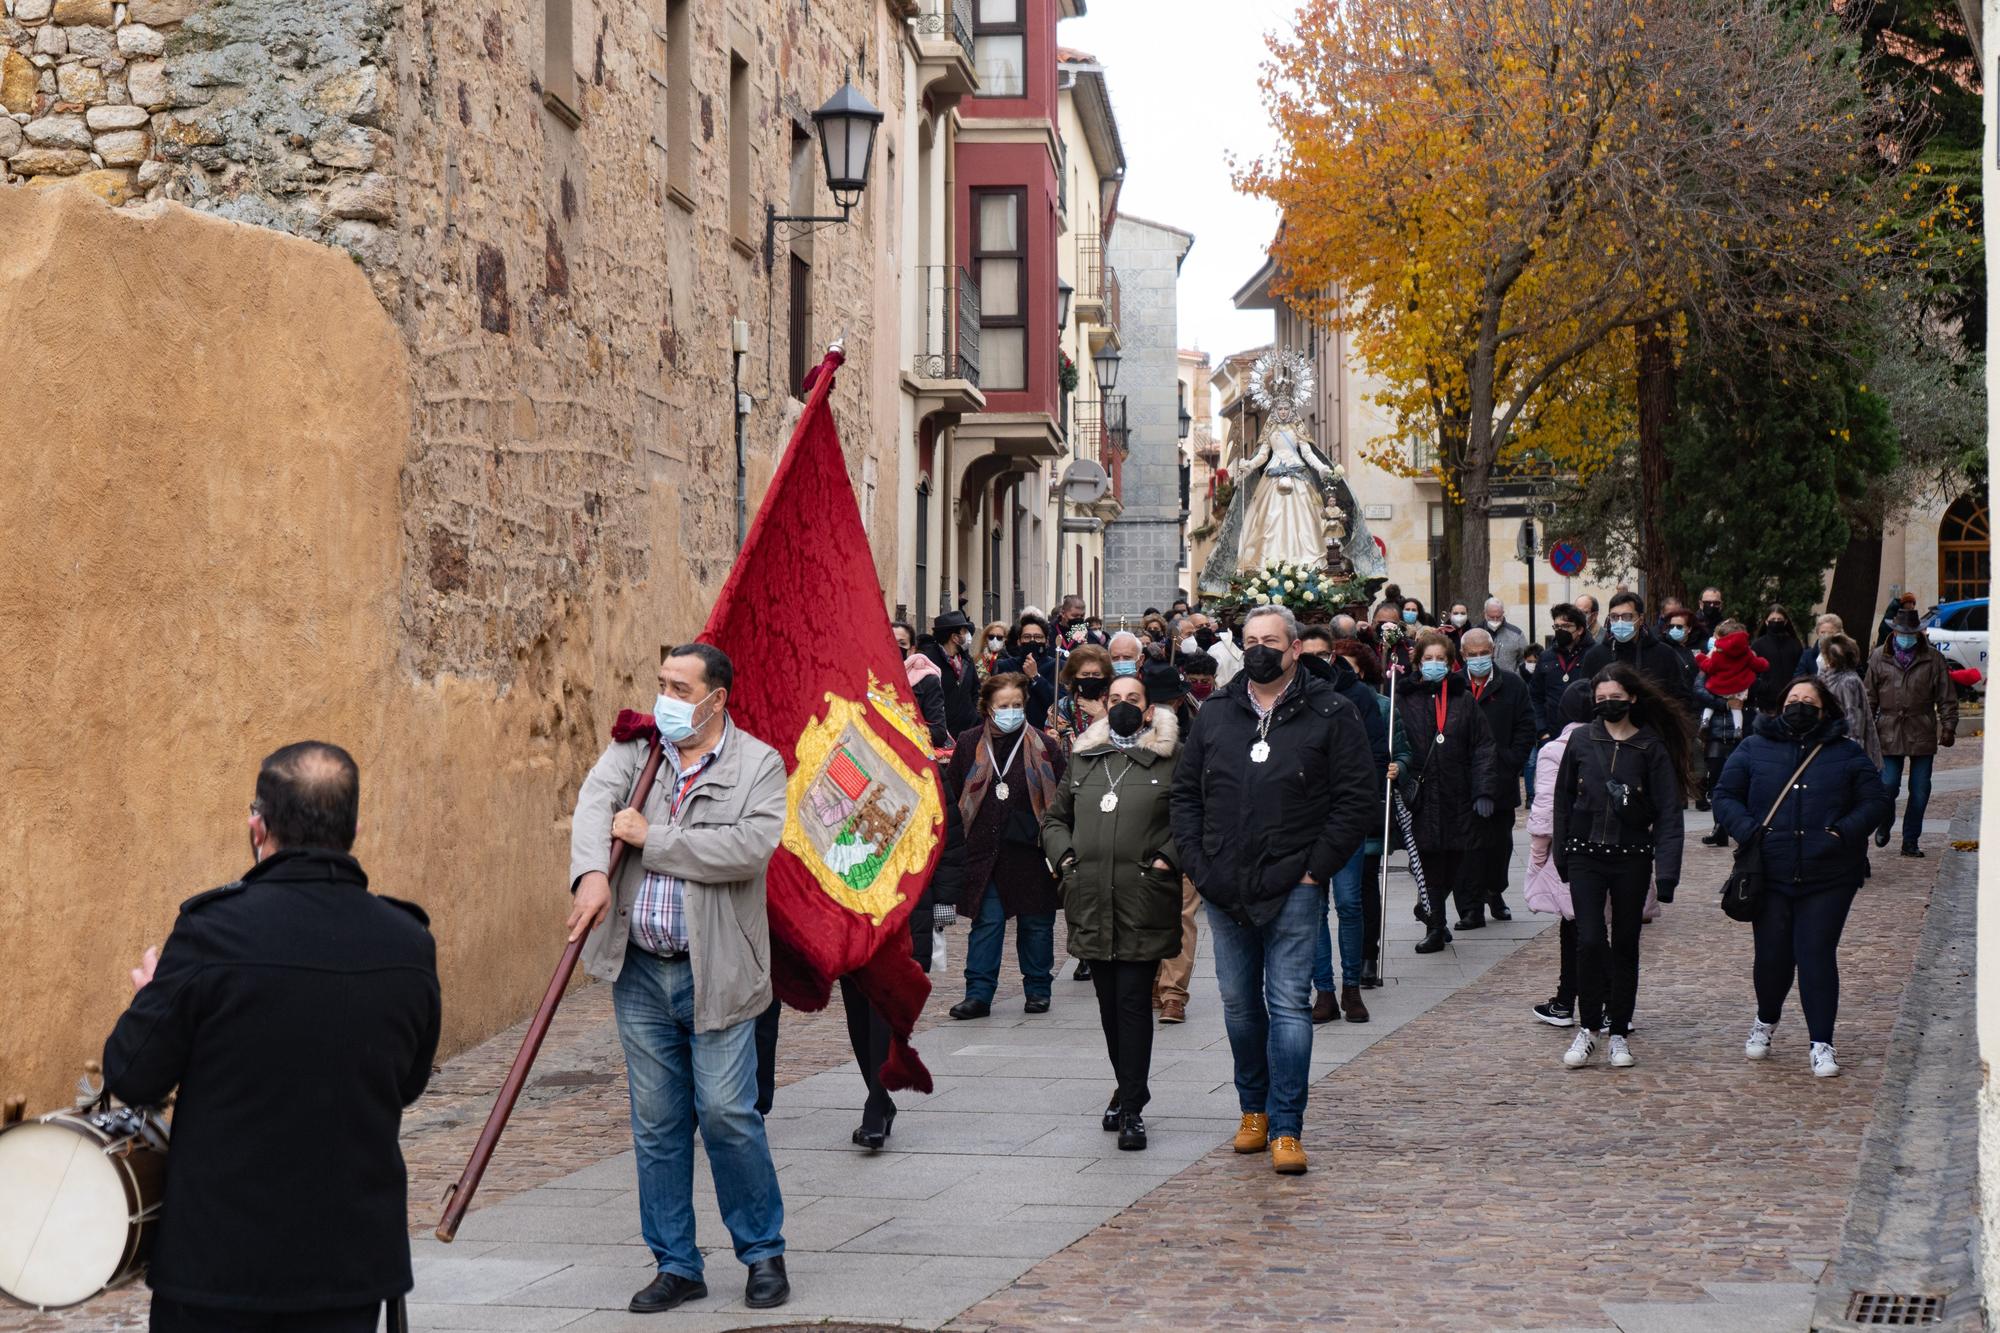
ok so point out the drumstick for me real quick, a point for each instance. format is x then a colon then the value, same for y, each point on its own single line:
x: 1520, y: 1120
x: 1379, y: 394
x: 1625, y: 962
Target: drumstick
x: 459, y: 1196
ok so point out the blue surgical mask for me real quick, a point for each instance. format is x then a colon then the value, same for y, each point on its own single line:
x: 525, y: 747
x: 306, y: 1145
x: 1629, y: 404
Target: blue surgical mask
x: 1623, y: 630
x: 675, y: 718
x: 1479, y: 666
x: 1677, y: 632
x: 1409, y: 617
x: 1009, y: 719
x: 1906, y: 641
x: 1434, y: 670
x: 1125, y: 668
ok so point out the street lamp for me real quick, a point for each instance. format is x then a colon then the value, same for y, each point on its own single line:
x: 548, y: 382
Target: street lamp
x: 1065, y: 293
x: 846, y: 126
x: 1107, y: 359
x: 1187, y: 422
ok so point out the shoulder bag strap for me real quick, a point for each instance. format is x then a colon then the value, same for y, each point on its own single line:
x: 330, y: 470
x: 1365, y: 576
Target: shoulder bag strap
x: 1786, y: 789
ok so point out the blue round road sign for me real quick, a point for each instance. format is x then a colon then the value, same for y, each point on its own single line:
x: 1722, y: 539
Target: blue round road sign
x: 1566, y: 558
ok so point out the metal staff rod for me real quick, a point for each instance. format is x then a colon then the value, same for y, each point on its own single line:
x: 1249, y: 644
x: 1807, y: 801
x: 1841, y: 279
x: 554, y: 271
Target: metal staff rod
x: 459, y: 1197
x: 1388, y: 803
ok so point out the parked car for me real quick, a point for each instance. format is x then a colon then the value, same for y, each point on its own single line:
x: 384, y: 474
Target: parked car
x: 1958, y: 631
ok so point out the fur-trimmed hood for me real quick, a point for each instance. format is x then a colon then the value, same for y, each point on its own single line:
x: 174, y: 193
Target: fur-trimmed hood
x: 1162, y: 736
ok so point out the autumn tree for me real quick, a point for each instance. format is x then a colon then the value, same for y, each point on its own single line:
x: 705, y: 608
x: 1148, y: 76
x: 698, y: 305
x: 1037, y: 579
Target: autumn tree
x: 1492, y: 196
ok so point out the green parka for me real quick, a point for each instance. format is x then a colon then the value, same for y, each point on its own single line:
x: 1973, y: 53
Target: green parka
x: 1119, y: 905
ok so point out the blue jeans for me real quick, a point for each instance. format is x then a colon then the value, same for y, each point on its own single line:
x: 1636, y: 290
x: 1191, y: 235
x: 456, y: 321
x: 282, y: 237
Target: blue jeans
x: 1265, y: 974
x: 1034, y: 946
x: 681, y: 1078
x: 1920, y: 792
x: 1345, y: 895
x: 1528, y: 773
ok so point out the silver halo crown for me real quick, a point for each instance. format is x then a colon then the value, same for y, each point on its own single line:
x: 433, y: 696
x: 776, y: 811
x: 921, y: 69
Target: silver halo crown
x: 1280, y: 381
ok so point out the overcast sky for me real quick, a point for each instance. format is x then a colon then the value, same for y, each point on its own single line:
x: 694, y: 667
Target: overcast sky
x: 1183, y: 80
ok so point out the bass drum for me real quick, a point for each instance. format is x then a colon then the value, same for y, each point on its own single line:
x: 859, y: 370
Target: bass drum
x: 79, y: 1200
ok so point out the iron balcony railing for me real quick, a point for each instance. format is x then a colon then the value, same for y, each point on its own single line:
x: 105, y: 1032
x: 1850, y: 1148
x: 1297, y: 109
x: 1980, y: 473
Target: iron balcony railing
x: 948, y: 346
x: 947, y: 18
x: 1097, y: 282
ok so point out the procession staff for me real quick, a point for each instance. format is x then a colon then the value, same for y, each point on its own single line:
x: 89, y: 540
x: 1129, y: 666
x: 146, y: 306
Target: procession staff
x: 297, y: 1014
x: 1109, y: 837
x: 1274, y: 793
x: 1450, y: 783
x: 687, y: 952
x: 1617, y: 826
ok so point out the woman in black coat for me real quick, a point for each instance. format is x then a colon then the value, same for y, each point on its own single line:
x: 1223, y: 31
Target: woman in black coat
x: 1781, y: 646
x: 1814, y: 852
x: 1450, y: 782
x: 1003, y: 777
x: 1618, y: 822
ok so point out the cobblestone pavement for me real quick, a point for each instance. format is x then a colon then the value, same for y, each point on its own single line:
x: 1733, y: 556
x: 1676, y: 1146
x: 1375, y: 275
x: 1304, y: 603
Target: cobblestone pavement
x: 1465, y: 1180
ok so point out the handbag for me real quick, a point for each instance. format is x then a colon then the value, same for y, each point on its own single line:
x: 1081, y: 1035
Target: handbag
x: 1743, y: 891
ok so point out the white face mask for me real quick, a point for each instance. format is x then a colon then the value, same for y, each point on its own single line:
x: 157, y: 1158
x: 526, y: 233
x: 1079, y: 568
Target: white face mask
x: 1493, y: 624
x: 995, y: 645
x: 1458, y: 617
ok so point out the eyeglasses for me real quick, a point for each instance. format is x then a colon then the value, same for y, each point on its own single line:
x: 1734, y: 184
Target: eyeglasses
x: 1624, y: 617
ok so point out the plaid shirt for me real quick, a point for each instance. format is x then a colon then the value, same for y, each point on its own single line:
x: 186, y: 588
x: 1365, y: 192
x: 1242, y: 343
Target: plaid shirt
x: 659, y: 913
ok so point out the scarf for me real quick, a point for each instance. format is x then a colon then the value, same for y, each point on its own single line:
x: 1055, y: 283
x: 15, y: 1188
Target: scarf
x: 1039, y: 771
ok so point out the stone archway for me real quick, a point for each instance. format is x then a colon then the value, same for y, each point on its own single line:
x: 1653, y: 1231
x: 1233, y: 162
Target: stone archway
x: 1965, y: 548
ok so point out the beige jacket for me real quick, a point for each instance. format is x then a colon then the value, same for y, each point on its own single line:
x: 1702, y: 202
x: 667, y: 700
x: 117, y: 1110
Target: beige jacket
x: 728, y: 828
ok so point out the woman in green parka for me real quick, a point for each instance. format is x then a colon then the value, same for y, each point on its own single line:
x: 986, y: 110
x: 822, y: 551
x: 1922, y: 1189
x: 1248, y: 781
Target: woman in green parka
x: 1107, y: 836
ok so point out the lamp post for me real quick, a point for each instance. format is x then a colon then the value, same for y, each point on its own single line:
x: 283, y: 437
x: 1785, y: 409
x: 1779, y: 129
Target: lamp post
x: 1065, y: 293
x: 1187, y: 422
x: 1106, y: 359
x: 846, y: 125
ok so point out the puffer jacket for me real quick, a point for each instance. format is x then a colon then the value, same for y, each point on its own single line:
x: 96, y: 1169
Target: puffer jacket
x: 1912, y: 704
x: 1583, y: 813
x: 1119, y: 905
x: 1447, y: 775
x: 1818, y: 838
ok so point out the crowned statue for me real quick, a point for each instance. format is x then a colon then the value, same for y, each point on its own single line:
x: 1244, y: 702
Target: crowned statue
x: 1290, y: 507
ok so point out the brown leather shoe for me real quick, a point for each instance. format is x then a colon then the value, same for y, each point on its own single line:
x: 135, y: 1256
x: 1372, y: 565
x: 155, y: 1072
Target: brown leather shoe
x: 1173, y: 1011
x: 1351, y: 1007
x: 1287, y: 1157
x: 1325, y: 1007
x: 1254, y: 1133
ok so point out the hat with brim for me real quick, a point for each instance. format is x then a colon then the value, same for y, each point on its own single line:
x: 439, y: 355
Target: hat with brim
x: 950, y: 623
x: 1163, y: 683
x: 1908, y: 621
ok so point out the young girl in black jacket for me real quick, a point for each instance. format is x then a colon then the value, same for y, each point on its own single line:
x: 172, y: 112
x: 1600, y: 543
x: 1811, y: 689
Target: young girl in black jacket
x: 1618, y: 820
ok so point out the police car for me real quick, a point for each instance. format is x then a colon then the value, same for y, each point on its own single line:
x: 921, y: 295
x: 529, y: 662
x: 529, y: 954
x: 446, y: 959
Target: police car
x: 1958, y: 631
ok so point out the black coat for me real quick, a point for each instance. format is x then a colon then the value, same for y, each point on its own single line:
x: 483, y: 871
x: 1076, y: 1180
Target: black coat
x: 1003, y: 844
x: 1366, y: 702
x: 1648, y: 655
x: 297, y: 1013
x: 1553, y: 675
x: 1582, y: 810
x: 1249, y: 833
x: 1782, y: 651
x: 930, y: 703
x: 1511, y: 720
x: 1818, y: 838
x: 1445, y: 778
x: 960, y: 684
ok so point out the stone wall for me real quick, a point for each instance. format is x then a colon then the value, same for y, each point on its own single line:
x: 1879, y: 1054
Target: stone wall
x: 1142, y: 546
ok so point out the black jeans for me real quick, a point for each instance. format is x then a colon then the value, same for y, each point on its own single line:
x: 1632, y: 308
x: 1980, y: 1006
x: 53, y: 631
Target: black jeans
x: 1371, y: 906
x: 868, y: 1032
x: 1608, y: 969
x: 1125, y: 1007
x: 1443, y: 879
x: 1800, y: 935
x: 171, y: 1316
x: 1566, y: 952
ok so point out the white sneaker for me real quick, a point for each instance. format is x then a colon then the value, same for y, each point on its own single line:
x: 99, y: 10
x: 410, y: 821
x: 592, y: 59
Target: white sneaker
x: 1579, y: 1052
x: 1823, y: 1063
x: 1621, y: 1054
x: 1758, y: 1045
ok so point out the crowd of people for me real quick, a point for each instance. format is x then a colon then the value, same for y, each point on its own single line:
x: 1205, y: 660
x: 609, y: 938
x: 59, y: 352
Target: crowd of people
x: 1237, y: 772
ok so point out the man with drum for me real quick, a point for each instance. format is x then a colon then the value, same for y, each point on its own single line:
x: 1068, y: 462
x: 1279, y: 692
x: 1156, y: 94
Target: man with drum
x: 297, y: 1015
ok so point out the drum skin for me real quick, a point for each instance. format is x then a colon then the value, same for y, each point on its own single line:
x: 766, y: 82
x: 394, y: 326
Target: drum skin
x: 77, y: 1210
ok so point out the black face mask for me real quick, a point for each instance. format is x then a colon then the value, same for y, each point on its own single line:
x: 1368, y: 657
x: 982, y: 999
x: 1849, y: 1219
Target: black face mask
x: 1126, y: 719
x: 1712, y: 608
x: 1612, y: 710
x: 1564, y: 638
x: 1776, y: 627
x: 1033, y: 647
x: 1801, y: 717
x: 1091, y: 687
x: 1317, y: 665
x: 1204, y: 639
x: 1263, y: 663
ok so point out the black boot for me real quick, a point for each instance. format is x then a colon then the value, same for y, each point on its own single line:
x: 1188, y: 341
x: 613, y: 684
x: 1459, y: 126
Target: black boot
x: 1132, y: 1133
x: 1083, y: 969
x: 1436, y: 940
x: 1111, y: 1117
x: 1496, y: 907
x: 1371, y: 974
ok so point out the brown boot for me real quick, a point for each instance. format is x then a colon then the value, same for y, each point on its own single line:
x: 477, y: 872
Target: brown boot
x: 1254, y: 1134
x: 1173, y: 1011
x: 1325, y: 1007
x: 1351, y: 1007
x: 1287, y: 1157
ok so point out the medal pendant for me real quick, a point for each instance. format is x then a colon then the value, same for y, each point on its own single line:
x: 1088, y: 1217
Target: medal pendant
x: 1439, y: 740
x: 1000, y: 790
x: 1109, y: 802
x: 1260, y: 752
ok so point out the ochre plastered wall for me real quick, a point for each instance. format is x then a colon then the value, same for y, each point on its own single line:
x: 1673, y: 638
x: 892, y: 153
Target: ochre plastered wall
x: 201, y: 546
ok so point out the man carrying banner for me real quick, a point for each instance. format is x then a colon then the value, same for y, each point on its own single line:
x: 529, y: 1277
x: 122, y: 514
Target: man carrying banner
x: 687, y: 950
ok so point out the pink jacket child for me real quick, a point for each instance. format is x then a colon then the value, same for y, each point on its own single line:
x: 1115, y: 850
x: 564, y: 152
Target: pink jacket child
x: 1547, y: 892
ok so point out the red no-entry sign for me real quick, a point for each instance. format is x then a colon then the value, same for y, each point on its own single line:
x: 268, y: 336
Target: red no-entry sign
x: 1566, y: 559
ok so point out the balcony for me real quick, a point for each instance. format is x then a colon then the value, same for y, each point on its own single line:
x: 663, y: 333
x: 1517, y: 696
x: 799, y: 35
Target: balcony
x: 1096, y: 300
x: 1097, y: 428
x: 945, y: 371
x: 944, y: 51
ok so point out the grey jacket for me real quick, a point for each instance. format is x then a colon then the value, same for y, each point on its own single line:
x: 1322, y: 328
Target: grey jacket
x: 1508, y: 645
x: 728, y: 828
